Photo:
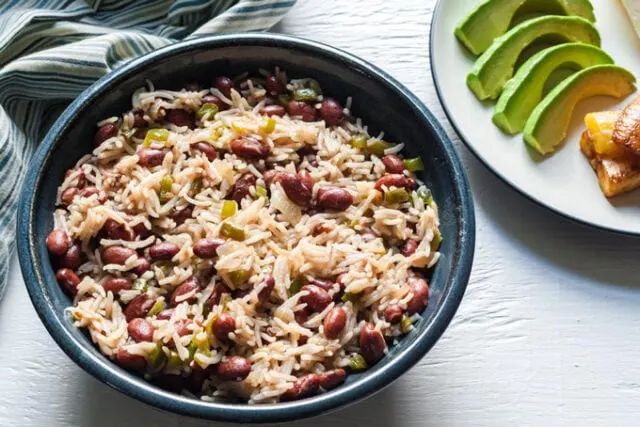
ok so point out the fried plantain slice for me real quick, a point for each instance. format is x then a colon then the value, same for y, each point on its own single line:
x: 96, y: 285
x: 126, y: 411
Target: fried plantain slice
x: 616, y: 176
x: 627, y: 130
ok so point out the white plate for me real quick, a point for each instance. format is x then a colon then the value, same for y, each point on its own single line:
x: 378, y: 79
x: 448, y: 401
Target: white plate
x: 565, y: 181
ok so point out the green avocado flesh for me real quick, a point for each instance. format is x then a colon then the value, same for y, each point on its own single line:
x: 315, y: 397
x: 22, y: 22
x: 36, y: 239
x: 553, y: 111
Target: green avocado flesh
x: 492, y: 18
x: 495, y: 67
x: 547, y: 127
x: 525, y: 90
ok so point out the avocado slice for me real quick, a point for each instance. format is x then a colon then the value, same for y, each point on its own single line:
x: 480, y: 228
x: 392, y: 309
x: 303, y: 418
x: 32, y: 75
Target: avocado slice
x: 525, y: 90
x: 492, y: 18
x: 548, y: 124
x: 495, y: 67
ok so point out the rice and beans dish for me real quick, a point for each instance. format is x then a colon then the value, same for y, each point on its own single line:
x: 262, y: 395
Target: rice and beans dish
x: 248, y: 242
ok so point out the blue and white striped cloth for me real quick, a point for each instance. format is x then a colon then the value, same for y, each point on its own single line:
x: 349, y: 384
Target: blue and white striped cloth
x: 51, y: 50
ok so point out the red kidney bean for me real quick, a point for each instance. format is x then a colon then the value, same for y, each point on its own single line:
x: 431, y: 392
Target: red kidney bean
x: 305, y: 179
x: 301, y: 109
x: 206, y: 149
x: 224, y: 84
x: 206, y: 248
x: 223, y: 326
x: 138, y: 307
x: 142, y: 267
x: 334, y: 322
x: 72, y: 258
x: 140, y: 133
x: 182, y: 215
x: 372, y: 344
x: 301, y: 316
x: 269, y: 282
x: 165, y: 314
x: 180, y: 117
x: 182, y: 327
x: 392, y: 313
x: 140, y: 330
x: 274, y: 85
x: 242, y: 186
x: 151, y: 157
x: 305, y: 386
x: 102, y: 197
x: 332, y: 379
x: 118, y: 231
x: 90, y: 191
x: 342, y: 283
x: 270, y: 176
x: 131, y: 362
x: 240, y: 293
x: 306, y: 150
x: 395, y: 180
x: 335, y: 199
x: 68, y: 280
x: 117, y: 255
x: 317, y: 299
x: 235, y: 368
x: 58, y: 242
x: 331, y: 111
x: 141, y: 230
x: 341, y: 280
x: 218, y: 290
x: 138, y: 119
x: 393, y: 164
x: 105, y: 132
x: 189, y: 285
x: 79, y: 176
x: 420, y: 299
x: 212, y: 99
x: 296, y: 191
x: 163, y: 251
x: 67, y: 195
x: 116, y: 284
x: 324, y: 284
x: 249, y: 148
x: 409, y: 247
x: 274, y: 110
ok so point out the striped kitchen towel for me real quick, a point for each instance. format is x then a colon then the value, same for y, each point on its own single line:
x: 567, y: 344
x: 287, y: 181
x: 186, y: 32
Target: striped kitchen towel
x: 51, y: 50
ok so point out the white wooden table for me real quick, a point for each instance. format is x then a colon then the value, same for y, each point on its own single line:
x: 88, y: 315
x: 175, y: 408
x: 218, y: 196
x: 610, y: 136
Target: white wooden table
x: 548, y: 332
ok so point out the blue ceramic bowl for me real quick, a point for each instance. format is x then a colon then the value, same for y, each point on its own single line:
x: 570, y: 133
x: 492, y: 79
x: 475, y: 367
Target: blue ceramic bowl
x: 381, y: 101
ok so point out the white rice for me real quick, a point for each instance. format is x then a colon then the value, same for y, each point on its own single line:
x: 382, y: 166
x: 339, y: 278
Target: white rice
x: 280, y: 241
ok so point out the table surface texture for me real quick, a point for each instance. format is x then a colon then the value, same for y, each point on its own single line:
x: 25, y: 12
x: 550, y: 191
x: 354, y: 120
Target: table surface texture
x: 545, y: 335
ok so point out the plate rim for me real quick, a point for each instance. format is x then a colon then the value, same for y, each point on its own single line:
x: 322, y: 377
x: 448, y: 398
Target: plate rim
x: 540, y: 202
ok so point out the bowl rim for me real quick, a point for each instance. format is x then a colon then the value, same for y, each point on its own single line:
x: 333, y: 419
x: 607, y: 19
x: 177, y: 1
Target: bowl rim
x: 108, y: 373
